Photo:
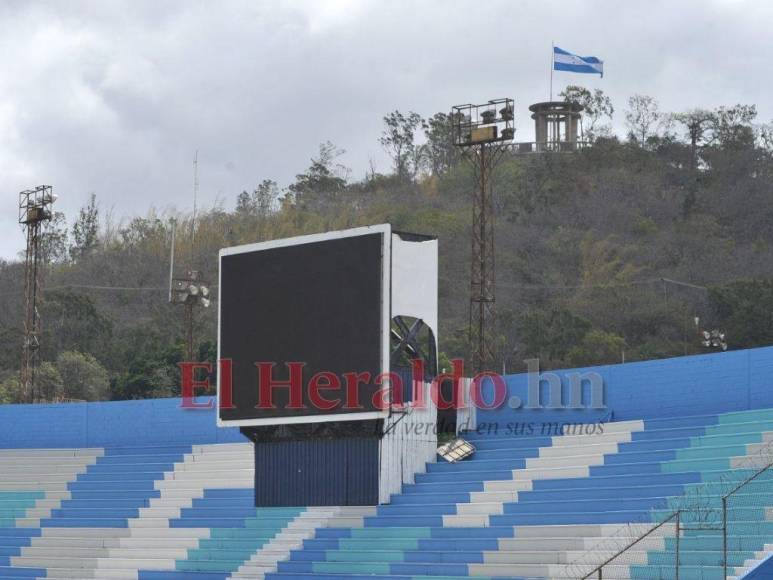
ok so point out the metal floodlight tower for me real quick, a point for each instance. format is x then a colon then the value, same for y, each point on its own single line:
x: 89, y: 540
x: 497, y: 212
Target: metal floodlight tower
x: 189, y: 291
x: 35, y: 211
x: 483, y: 132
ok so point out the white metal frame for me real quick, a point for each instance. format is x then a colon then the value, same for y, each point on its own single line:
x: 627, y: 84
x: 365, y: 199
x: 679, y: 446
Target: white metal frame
x: 386, y: 317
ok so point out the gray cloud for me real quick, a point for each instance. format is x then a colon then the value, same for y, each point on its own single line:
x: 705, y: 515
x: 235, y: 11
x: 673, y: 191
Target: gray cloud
x: 115, y: 97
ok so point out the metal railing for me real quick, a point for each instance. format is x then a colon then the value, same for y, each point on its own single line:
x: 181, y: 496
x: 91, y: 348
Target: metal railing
x: 598, y: 572
x: 703, y: 523
x: 549, y: 146
x: 767, y: 469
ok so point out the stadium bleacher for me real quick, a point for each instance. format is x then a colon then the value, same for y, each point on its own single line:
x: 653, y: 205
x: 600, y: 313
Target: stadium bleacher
x: 557, y: 507
x: 545, y: 507
x: 147, y: 512
x: 524, y: 506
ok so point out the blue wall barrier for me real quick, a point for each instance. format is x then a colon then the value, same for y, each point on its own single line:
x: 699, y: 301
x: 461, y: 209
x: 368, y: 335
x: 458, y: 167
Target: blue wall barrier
x: 691, y: 385
x: 110, y: 424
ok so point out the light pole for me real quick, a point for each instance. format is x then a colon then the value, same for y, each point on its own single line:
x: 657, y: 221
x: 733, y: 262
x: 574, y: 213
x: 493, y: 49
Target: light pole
x: 190, y: 292
x: 35, y: 210
x: 483, y: 132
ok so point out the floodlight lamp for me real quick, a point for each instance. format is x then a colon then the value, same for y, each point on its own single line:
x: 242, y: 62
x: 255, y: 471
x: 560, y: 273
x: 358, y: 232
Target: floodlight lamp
x: 488, y: 116
x: 205, y: 302
x: 193, y: 290
x: 456, y: 450
x: 706, y: 334
x: 204, y: 291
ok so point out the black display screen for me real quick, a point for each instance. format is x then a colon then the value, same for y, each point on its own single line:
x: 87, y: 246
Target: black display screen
x: 317, y: 303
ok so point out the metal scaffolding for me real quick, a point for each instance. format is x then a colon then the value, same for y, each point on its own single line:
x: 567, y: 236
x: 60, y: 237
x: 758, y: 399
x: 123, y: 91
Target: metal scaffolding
x: 484, y: 133
x: 34, y: 213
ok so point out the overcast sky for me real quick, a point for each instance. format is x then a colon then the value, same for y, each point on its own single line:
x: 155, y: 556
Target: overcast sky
x: 114, y: 97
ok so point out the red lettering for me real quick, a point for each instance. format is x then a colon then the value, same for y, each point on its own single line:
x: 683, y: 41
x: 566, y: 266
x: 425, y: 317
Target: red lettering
x: 417, y: 384
x: 326, y: 381
x: 457, y: 394
x: 382, y: 398
x: 500, y: 390
x: 190, y: 384
x: 266, y: 385
x: 353, y: 381
x: 225, y: 382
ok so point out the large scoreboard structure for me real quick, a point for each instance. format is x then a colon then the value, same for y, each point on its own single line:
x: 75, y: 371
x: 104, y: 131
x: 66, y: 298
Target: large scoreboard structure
x: 314, y: 328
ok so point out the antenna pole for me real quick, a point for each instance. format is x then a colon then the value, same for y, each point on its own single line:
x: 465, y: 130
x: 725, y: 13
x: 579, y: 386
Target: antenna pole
x: 171, y: 259
x: 195, y: 196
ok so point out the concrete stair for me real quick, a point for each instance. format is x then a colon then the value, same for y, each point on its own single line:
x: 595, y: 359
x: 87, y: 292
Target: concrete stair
x: 557, y: 507
x: 521, y: 507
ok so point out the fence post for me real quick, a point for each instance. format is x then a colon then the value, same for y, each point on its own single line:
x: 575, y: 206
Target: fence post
x: 724, y: 535
x: 678, y: 533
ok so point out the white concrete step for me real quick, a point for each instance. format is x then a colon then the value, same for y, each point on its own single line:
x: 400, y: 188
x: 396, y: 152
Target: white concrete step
x: 204, y: 477
x: 125, y: 542
x: 41, y: 453
x: 571, y: 461
x: 94, y: 563
x: 565, y: 451
x: 88, y: 552
x: 86, y: 574
x: 220, y: 447
x: 231, y: 483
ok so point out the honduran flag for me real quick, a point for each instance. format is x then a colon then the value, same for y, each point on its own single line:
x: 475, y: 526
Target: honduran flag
x: 566, y: 61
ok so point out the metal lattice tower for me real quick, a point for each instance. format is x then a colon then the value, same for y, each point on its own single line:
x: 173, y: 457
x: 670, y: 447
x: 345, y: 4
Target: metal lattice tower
x: 483, y: 264
x: 484, y: 133
x: 34, y: 213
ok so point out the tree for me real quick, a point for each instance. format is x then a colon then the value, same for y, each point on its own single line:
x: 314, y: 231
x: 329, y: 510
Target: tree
x: 82, y: 376
x: 698, y: 124
x: 48, y: 382
x: 596, y: 348
x: 743, y: 309
x: 85, y: 230
x: 440, y: 152
x: 550, y: 334
x: 73, y: 322
x: 596, y: 106
x: 150, y: 373
x: 10, y: 346
x: 261, y: 202
x: 766, y: 137
x: 53, y: 241
x: 733, y: 126
x: 324, y: 180
x: 254, y: 208
x: 10, y: 390
x: 641, y: 118
x: 398, y: 141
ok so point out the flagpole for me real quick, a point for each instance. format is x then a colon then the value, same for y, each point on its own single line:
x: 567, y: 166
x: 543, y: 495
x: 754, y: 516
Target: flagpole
x: 552, y: 65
